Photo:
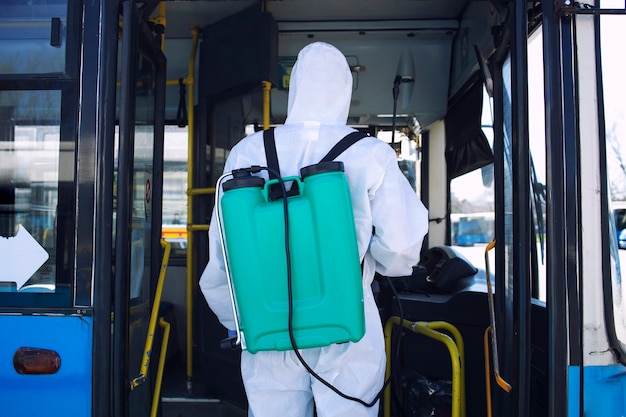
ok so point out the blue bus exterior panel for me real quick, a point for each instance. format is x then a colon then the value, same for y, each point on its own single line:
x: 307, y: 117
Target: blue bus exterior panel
x: 605, y: 391
x: 64, y: 393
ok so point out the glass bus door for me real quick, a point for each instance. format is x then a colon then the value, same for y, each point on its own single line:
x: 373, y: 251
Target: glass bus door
x: 137, y: 208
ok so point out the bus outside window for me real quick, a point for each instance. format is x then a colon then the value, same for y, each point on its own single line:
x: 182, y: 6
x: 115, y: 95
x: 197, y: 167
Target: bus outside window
x: 619, y: 213
x: 613, y: 31
x: 30, y: 173
x: 175, y: 182
x: 472, y: 205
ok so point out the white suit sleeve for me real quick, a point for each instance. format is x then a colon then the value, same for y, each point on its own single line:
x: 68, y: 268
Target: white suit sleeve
x: 213, y: 282
x: 400, y: 223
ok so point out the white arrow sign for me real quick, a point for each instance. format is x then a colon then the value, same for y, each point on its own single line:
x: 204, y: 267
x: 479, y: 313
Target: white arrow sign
x: 20, y: 257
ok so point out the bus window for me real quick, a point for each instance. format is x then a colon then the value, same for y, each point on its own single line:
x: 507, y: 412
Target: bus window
x: 42, y: 50
x: 472, y: 208
x: 174, y: 229
x: 619, y: 215
x: 612, y: 32
x: 31, y: 171
x: 406, y: 146
x: 537, y: 146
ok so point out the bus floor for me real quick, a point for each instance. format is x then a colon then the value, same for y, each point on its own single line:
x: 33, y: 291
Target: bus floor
x: 199, y: 408
x: 177, y: 402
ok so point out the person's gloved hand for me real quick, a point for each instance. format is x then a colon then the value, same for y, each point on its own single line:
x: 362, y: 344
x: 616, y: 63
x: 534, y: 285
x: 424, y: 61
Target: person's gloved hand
x: 232, y: 333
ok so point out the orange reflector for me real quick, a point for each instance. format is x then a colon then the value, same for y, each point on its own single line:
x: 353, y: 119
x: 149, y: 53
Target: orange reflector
x: 36, y: 361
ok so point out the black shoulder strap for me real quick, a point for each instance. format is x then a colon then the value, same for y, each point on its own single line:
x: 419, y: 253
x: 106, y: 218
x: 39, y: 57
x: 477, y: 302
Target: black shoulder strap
x: 270, y: 152
x: 343, y: 144
x: 271, y: 156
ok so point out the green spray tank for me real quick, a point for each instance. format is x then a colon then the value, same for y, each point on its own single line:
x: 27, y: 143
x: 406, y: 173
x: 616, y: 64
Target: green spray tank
x: 292, y: 262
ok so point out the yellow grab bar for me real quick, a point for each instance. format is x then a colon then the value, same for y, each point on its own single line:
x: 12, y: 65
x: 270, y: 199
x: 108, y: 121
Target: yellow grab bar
x: 455, y: 348
x: 492, y: 317
x: 159, y: 379
x: 145, y: 363
x: 487, y: 371
x: 190, y: 169
x: 199, y: 191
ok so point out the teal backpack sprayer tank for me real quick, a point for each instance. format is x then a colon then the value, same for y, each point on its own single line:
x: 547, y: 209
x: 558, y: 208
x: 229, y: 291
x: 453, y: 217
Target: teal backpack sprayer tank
x: 291, y: 257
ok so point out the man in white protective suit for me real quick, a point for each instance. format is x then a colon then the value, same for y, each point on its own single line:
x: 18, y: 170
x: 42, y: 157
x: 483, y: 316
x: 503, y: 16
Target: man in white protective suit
x: 391, y: 223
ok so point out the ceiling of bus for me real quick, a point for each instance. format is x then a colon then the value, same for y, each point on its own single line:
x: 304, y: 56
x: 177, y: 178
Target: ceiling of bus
x: 182, y: 15
x: 383, y: 37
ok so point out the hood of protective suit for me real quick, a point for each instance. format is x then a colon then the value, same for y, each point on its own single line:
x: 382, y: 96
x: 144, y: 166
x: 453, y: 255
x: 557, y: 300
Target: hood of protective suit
x: 320, y: 86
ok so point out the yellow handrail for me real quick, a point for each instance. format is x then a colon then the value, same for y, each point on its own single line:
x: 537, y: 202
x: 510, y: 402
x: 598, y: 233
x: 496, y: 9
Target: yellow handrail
x: 492, y: 317
x: 198, y: 227
x: 198, y: 191
x: 189, y: 282
x: 455, y: 348
x: 157, y: 388
x: 458, y: 339
x: 487, y: 371
x: 145, y: 363
x: 267, y: 86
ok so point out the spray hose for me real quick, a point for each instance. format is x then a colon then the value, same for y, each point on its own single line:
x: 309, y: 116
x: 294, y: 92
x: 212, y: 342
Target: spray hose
x: 239, y: 339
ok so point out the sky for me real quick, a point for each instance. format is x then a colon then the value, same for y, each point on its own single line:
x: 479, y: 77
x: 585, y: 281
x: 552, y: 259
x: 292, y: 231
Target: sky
x: 614, y: 65
x: 613, y: 71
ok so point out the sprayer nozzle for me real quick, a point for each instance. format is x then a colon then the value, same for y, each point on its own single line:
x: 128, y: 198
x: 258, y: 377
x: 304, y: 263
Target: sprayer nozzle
x: 402, y: 79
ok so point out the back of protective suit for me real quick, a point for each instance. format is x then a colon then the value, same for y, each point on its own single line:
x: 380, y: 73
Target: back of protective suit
x: 390, y: 223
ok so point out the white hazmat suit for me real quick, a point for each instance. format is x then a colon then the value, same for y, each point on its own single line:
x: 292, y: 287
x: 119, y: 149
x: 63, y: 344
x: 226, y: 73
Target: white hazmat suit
x: 391, y: 223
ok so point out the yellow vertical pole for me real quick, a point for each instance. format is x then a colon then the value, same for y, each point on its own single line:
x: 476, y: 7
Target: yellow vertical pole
x: 267, y: 86
x: 190, y: 155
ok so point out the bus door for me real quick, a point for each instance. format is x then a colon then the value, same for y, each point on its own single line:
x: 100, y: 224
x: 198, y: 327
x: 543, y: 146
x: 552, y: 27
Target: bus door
x: 238, y: 62
x: 137, y: 208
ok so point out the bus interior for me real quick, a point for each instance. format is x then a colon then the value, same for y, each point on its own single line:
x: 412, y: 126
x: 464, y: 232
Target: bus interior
x: 433, y: 46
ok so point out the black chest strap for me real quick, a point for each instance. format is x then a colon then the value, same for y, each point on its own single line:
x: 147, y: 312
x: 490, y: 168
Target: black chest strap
x: 271, y: 156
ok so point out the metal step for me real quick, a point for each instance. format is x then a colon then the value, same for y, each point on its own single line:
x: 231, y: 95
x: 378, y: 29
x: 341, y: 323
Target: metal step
x: 199, y: 407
